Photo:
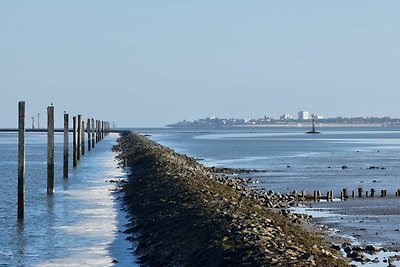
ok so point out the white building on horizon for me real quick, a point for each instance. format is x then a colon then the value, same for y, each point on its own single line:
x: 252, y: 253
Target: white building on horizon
x: 303, y: 115
x: 286, y: 117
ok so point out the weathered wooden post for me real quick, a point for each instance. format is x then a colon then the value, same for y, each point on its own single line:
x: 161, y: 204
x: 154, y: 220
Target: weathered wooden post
x: 89, y: 134
x: 83, y: 137
x: 79, y: 135
x: 102, y: 130
x: 21, y: 160
x: 97, y: 131
x: 66, y: 144
x: 93, y: 134
x: 352, y: 194
x: 366, y: 193
x: 372, y: 192
x: 315, y: 196
x: 50, y: 149
x: 360, y: 190
x: 345, y: 193
x: 74, y: 138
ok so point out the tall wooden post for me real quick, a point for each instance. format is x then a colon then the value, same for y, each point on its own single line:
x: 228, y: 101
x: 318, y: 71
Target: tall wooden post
x: 97, y: 131
x: 74, y: 137
x: 93, y: 135
x: 89, y: 134
x: 79, y: 135
x: 83, y: 137
x: 50, y: 149
x: 102, y: 130
x: 21, y: 159
x: 66, y: 144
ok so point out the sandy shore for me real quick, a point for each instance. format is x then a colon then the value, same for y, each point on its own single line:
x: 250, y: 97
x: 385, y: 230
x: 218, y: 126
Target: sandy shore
x: 186, y: 214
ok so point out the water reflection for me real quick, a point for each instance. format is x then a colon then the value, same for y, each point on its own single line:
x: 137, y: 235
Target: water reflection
x: 76, y: 225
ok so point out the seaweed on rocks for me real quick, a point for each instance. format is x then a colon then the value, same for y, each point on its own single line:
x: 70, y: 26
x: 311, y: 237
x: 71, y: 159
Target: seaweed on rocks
x: 186, y: 215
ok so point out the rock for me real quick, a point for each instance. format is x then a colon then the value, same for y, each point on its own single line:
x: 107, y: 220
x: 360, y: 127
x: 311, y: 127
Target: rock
x: 344, y: 167
x: 372, y: 248
x: 335, y: 247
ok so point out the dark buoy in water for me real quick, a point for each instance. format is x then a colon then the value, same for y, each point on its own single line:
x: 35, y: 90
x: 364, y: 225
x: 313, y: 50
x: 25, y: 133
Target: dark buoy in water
x: 313, y: 131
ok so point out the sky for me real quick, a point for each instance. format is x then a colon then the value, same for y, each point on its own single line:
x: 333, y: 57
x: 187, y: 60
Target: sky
x: 151, y: 63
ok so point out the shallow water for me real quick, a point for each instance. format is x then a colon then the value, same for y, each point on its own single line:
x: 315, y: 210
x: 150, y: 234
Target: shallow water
x: 76, y: 226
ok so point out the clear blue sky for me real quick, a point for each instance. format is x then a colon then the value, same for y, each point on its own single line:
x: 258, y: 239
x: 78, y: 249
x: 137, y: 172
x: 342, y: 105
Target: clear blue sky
x: 150, y: 63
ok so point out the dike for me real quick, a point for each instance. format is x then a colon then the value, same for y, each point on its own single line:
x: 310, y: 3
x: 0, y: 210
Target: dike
x: 184, y: 214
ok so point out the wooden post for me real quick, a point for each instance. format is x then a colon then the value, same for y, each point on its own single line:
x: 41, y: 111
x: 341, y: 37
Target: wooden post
x: 83, y: 137
x: 360, y: 190
x: 21, y: 159
x: 97, y: 131
x: 79, y: 135
x: 89, y: 134
x: 93, y: 135
x: 372, y: 192
x: 315, y: 196
x: 345, y: 193
x: 50, y: 149
x: 74, y: 137
x: 352, y: 194
x: 66, y: 144
x: 102, y: 130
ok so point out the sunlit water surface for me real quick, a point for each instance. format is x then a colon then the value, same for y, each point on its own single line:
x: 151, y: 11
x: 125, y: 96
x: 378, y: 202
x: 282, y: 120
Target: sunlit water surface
x: 78, y: 225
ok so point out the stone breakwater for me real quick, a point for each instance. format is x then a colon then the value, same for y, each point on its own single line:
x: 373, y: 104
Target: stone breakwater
x: 185, y: 214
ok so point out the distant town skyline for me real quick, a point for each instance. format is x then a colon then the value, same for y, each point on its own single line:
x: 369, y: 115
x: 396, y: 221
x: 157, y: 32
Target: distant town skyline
x: 152, y: 63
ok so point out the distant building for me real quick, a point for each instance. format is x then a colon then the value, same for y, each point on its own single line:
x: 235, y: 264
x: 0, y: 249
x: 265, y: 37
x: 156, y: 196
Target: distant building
x: 303, y: 115
x: 319, y: 117
x: 286, y: 117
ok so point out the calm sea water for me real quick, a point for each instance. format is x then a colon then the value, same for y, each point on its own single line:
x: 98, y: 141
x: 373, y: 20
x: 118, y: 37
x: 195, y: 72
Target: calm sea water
x: 77, y: 225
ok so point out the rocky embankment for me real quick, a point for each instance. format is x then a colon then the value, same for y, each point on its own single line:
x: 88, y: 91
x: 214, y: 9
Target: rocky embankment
x: 185, y: 214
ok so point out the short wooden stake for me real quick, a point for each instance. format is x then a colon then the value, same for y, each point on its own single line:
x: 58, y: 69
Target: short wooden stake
x: 50, y: 149
x: 21, y: 160
x: 66, y: 144
x: 74, y: 137
x: 345, y: 193
x: 360, y: 191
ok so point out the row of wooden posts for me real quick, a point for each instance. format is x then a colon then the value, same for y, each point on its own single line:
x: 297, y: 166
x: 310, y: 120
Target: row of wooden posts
x: 344, y: 194
x: 96, y: 131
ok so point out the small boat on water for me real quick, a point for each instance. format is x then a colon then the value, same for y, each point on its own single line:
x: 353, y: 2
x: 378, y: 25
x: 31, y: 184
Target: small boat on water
x: 313, y: 131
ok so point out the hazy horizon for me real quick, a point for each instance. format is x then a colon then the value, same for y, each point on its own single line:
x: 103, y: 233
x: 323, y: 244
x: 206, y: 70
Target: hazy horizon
x: 153, y: 63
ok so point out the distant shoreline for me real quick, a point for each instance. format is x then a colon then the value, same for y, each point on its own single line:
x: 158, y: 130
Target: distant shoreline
x: 299, y: 125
